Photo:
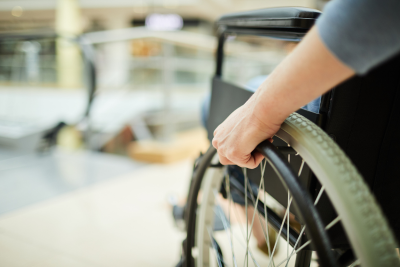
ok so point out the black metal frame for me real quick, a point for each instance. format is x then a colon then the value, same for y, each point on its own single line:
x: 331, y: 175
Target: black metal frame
x: 281, y: 167
x: 227, y: 97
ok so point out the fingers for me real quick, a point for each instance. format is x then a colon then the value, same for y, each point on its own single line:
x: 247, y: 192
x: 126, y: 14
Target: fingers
x: 215, y: 131
x: 222, y: 158
x: 214, y: 143
x: 233, y: 156
x: 258, y: 157
x: 224, y: 161
x: 235, y: 138
x: 252, y: 162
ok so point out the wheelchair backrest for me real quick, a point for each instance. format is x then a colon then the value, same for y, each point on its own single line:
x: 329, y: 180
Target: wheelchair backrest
x: 364, y: 119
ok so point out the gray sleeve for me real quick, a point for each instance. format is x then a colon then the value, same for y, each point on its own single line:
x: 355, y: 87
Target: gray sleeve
x: 361, y: 33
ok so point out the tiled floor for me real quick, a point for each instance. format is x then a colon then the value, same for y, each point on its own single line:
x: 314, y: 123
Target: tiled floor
x: 123, y: 221
x: 28, y: 178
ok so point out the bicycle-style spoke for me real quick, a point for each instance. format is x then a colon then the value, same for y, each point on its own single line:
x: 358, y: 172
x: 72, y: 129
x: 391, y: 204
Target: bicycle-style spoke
x: 266, y: 235
x: 226, y: 226
x: 238, y: 239
x: 266, y: 230
x: 355, y: 263
x: 319, y: 195
x: 261, y: 187
x: 288, y: 257
x: 280, y: 230
x: 228, y: 193
x: 256, y: 202
x: 332, y: 223
x: 301, y: 168
x: 303, y: 246
x: 243, y: 234
x: 238, y: 219
x: 217, y: 257
x: 294, y: 247
x: 247, y: 219
x: 288, y: 226
x: 321, y: 191
x: 264, y: 226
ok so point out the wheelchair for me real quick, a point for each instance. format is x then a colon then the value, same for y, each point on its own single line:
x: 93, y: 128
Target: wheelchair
x: 346, y: 212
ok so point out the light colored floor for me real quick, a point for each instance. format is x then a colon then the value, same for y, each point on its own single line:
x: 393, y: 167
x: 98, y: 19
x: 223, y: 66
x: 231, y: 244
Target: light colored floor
x: 120, y: 222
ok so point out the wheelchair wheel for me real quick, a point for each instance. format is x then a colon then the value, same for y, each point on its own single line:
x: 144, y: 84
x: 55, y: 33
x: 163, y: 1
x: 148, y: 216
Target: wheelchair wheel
x: 370, y: 241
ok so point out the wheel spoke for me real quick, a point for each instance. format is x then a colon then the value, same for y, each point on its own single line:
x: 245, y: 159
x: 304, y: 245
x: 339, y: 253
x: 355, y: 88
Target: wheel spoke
x: 280, y: 230
x: 286, y: 218
x: 301, y: 168
x: 355, y: 263
x: 265, y: 231
x: 304, y: 226
x: 288, y: 226
x: 226, y: 225
x: 237, y: 218
x: 228, y: 193
x: 303, y: 246
x: 247, y: 219
x: 295, y: 245
x: 265, y: 212
x: 254, y: 204
x: 287, y: 233
x: 266, y: 235
x: 319, y: 195
x: 217, y: 257
x: 332, y: 223
x: 243, y: 235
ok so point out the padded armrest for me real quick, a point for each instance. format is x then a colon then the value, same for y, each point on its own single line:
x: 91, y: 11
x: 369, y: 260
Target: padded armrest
x: 290, y: 18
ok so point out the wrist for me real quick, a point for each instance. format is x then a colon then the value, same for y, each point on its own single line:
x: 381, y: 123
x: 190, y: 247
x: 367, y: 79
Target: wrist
x: 268, y: 111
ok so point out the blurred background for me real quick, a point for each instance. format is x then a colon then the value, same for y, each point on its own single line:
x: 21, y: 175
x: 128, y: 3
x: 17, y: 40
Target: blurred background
x: 101, y: 118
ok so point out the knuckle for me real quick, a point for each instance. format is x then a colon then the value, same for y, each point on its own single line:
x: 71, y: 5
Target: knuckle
x: 215, y: 143
x: 216, y: 131
x: 223, y: 161
x: 251, y: 166
x: 234, y: 154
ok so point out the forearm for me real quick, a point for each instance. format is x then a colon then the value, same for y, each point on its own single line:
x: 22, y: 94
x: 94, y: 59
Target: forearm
x: 308, y: 72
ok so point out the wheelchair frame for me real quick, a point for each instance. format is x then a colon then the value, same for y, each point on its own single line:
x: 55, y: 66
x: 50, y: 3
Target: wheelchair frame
x: 227, y: 97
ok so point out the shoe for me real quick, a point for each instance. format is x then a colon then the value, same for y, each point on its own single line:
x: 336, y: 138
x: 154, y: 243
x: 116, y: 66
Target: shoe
x: 272, y: 239
x: 292, y: 221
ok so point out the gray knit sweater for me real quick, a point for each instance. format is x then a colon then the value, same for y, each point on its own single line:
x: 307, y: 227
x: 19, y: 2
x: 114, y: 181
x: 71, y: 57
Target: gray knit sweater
x: 361, y: 33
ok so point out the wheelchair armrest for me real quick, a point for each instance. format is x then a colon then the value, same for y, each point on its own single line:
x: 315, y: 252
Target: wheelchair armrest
x: 280, y: 19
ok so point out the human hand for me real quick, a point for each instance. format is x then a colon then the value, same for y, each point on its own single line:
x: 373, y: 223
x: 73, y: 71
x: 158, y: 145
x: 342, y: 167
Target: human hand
x: 236, y: 138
